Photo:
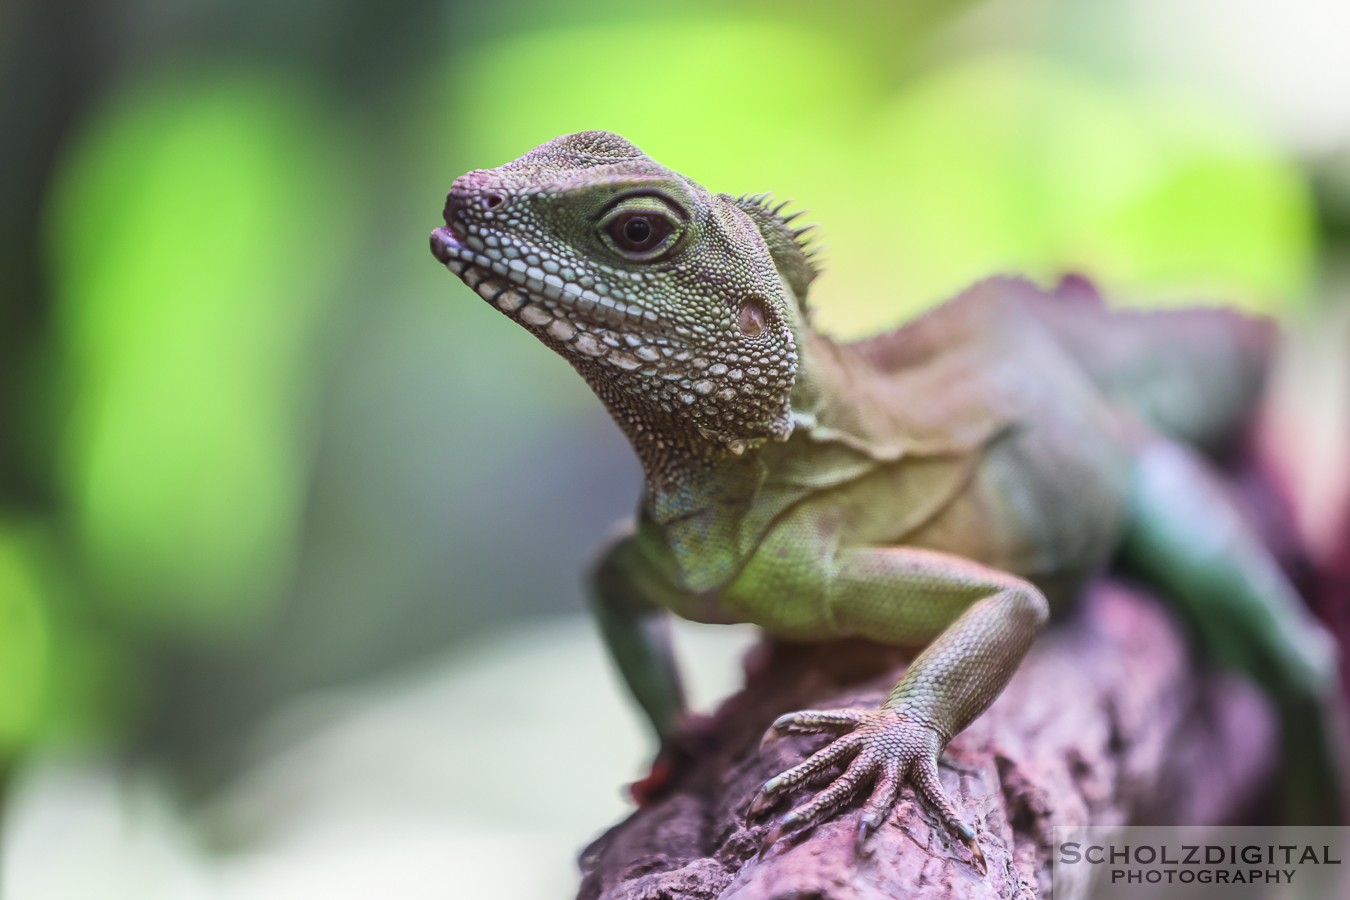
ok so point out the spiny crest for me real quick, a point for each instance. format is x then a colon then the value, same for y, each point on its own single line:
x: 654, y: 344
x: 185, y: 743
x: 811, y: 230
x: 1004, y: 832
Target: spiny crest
x: 794, y: 249
x: 804, y: 236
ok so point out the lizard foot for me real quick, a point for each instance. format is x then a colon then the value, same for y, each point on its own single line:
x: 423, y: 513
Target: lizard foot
x: 886, y: 749
x: 693, y: 739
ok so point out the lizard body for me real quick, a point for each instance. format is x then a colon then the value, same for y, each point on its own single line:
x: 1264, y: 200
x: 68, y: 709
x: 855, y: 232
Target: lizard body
x: 939, y: 487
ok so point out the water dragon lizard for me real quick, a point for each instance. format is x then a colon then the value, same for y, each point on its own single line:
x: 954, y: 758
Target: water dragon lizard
x: 940, y: 486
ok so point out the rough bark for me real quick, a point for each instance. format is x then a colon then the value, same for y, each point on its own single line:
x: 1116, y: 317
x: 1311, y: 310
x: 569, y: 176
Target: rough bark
x: 1108, y: 721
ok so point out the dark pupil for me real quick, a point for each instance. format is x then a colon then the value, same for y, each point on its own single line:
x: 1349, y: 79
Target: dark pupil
x: 637, y: 230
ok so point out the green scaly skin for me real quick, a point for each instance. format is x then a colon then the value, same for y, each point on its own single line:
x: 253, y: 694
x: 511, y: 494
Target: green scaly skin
x: 936, y: 487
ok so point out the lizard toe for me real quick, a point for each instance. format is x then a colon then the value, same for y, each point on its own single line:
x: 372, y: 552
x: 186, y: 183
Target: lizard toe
x: 928, y: 786
x: 814, y: 721
x: 879, y: 805
x: 886, y: 750
x: 837, y: 751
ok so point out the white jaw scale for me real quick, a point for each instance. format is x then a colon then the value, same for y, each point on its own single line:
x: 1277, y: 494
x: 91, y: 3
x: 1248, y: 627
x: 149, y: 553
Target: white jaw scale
x: 519, y: 284
x: 575, y: 318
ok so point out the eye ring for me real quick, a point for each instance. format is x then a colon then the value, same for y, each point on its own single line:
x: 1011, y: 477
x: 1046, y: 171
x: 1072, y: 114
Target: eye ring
x: 640, y: 234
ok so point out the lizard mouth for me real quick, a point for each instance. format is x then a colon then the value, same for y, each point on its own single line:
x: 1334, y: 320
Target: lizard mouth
x: 489, y: 281
x: 512, y: 285
x: 445, y: 244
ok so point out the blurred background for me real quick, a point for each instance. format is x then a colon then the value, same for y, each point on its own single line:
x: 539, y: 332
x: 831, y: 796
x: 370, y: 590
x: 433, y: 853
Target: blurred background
x: 291, y: 522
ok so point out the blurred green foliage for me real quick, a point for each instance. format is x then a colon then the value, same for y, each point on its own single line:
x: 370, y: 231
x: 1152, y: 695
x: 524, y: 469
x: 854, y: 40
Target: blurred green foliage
x: 194, y: 231
x: 1018, y: 164
x: 25, y: 652
x: 276, y: 464
x: 64, y: 681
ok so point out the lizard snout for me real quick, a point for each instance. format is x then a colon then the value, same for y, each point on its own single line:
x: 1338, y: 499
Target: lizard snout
x: 470, y: 197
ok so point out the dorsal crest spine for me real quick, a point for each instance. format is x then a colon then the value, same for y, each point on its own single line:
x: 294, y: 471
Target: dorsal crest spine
x: 794, y: 249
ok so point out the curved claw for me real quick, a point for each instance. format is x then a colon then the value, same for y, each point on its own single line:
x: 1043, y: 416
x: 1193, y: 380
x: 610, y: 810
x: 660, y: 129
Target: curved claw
x: 785, y: 824
x: 867, y: 826
x: 976, y: 853
x: 770, y: 736
x: 764, y: 801
x: 967, y: 836
x: 879, y: 805
x: 929, y: 787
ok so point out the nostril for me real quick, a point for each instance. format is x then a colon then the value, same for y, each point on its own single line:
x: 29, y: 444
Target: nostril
x: 492, y: 200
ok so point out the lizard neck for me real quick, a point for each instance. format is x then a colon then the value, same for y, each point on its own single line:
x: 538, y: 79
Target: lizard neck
x: 813, y: 390
x: 712, y: 506
x: 688, y: 474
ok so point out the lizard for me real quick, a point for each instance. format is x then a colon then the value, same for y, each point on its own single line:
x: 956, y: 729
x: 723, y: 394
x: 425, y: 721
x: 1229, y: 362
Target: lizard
x: 940, y: 487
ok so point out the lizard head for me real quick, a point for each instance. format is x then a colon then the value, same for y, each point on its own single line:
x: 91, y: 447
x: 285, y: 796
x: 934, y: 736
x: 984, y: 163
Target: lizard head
x: 679, y: 307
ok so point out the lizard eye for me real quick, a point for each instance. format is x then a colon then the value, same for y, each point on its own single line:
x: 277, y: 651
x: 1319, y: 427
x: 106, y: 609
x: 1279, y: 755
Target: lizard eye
x: 638, y: 232
x: 641, y: 234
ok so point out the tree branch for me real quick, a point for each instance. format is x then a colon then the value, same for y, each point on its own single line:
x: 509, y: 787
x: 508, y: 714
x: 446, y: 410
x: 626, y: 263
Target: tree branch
x: 1108, y: 721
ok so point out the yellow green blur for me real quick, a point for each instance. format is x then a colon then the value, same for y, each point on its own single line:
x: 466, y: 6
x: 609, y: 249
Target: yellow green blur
x: 220, y: 235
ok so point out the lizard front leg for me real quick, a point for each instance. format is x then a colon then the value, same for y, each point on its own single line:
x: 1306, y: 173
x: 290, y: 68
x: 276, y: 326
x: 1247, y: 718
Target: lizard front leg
x: 980, y: 622
x: 629, y: 598
x: 626, y: 595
